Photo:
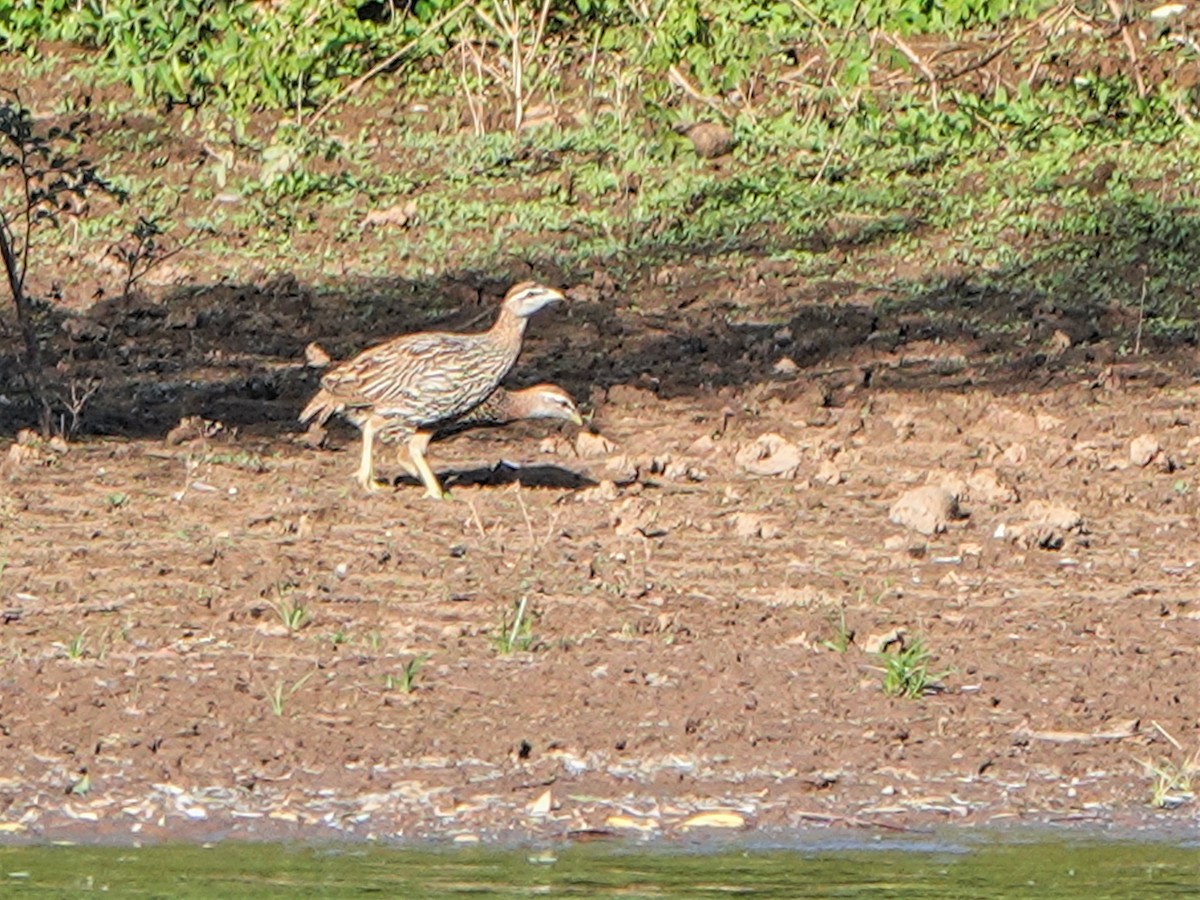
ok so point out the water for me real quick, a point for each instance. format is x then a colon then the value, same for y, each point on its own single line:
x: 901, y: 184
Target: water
x: 976, y: 870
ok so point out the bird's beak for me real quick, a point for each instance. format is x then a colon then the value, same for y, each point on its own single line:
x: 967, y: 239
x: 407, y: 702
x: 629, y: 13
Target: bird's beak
x: 577, y: 418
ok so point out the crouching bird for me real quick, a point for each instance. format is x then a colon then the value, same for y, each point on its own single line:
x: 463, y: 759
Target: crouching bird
x: 502, y: 407
x: 410, y: 386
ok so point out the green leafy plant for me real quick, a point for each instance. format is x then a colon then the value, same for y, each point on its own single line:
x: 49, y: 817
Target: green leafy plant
x: 516, y: 632
x: 1173, y: 781
x: 292, y: 613
x: 906, y: 672
x: 281, y: 693
x: 406, y: 681
x: 77, y: 646
x: 843, y: 637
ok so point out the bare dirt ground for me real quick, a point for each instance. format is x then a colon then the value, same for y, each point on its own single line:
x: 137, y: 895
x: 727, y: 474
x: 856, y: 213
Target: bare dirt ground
x: 204, y: 632
x: 689, y: 582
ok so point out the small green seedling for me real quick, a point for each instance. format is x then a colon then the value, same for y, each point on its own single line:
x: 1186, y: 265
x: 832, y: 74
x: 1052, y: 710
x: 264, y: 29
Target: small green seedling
x: 843, y: 635
x: 279, y: 696
x: 1174, y: 783
x: 906, y: 674
x: 293, y: 614
x: 517, y: 634
x: 406, y: 681
x: 77, y: 647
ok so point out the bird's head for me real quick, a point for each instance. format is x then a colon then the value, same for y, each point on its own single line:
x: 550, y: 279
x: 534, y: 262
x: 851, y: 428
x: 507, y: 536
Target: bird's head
x: 545, y: 401
x: 528, y: 297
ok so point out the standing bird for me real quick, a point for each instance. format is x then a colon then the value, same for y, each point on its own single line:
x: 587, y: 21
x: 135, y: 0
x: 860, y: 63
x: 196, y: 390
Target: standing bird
x: 503, y: 407
x: 410, y: 386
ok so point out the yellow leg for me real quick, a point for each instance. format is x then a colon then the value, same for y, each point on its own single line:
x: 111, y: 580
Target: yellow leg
x: 405, y: 463
x: 416, y: 449
x: 366, y: 468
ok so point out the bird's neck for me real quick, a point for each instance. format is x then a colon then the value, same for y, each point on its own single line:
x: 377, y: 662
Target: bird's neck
x: 508, y: 327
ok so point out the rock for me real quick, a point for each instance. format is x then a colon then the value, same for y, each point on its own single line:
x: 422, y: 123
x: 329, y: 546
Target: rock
x: 1015, y: 454
x: 191, y: 428
x: 701, y: 446
x: 636, y: 516
x: 1059, y: 343
x: 543, y: 805
x: 986, y: 486
x: 621, y: 469
x: 828, y: 473
x: 315, y: 356
x: 926, y: 509
x: 19, y: 454
x: 604, y: 492
x: 877, y: 643
x: 1143, y: 449
x: 770, y: 454
x: 751, y: 525
x: 785, y: 366
x: 1046, y: 526
x: 592, y: 445
x: 82, y: 329
x: 681, y: 470
x: 556, y: 445
x: 710, y: 140
x: 1054, y: 515
x: 713, y: 819
x: 401, y: 215
x: 314, y: 437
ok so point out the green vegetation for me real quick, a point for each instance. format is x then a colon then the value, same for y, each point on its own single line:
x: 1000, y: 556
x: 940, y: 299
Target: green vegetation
x: 278, y: 696
x: 406, y: 681
x: 1173, y: 779
x: 906, y: 672
x: 515, y: 633
x: 291, y: 55
x: 843, y: 634
x: 77, y: 647
x: 292, y: 613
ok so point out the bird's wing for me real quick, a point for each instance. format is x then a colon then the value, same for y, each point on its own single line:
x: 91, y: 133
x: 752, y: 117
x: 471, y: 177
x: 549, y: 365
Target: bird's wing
x: 413, y: 372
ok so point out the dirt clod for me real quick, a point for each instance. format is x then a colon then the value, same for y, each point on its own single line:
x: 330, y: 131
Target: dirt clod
x: 927, y: 510
x: 589, y: 445
x: 1143, y: 449
x: 710, y: 140
x: 770, y: 455
x: 315, y: 356
x: 1045, y: 525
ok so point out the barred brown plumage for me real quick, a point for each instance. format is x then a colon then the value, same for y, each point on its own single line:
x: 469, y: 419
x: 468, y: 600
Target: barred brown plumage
x: 414, y: 384
x: 502, y: 407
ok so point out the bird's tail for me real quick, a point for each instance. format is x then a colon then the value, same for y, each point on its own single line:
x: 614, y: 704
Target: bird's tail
x: 321, y: 407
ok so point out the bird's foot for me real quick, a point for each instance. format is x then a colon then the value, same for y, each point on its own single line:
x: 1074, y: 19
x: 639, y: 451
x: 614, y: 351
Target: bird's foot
x: 439, y: 494
x: 370, y: 485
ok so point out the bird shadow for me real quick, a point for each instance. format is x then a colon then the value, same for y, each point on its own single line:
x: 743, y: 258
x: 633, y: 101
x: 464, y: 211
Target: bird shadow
x: 501, y: 474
